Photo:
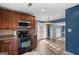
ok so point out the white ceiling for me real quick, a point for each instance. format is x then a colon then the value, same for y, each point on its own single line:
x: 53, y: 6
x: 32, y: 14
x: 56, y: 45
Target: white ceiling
x: 52, y: 10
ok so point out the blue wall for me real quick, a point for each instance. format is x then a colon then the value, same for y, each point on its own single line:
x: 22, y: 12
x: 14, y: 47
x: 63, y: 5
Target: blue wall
x: 72, y: 22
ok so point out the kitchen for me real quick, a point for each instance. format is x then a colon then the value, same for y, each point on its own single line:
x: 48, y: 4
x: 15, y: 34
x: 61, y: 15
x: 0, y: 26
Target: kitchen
x: 13, y: 28
x: 35, y: 28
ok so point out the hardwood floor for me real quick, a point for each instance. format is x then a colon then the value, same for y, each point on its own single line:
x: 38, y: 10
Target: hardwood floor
x: 44, y: 48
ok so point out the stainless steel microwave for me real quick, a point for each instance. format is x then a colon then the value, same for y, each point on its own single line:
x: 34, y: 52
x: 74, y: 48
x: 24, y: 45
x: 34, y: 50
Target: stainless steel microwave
x: 24, y: 24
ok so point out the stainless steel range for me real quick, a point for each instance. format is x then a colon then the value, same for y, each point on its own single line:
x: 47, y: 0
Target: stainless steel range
x: 25, y: 41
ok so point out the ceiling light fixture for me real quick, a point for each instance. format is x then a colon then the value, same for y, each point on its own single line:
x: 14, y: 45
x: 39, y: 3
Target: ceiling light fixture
x: 42, y: 10
x: 29, y: 4
x: 48, y: 21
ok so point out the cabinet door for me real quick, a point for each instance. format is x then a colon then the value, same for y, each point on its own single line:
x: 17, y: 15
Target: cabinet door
x: 7, y: 46
x: 8, y: 19
x: 14, y: 47
x: 5, y: 20
x: 1, y: 18
x: 13, y: 20
x: 0, y: 46
x: 22, y: 16
x: 32, y: 20
x: 34, y: 42
x: 4, y: 16
x: 10, y: 46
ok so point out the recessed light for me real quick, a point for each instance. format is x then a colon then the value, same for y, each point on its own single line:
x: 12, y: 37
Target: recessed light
x: 42, y: 9
x: 29, y: 4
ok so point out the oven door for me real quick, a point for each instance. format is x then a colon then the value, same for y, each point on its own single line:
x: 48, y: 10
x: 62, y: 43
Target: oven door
x: 25, y: 46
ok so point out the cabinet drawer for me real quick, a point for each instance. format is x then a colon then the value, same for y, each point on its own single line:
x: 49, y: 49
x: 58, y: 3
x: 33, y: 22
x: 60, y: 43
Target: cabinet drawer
x: 7, y: 41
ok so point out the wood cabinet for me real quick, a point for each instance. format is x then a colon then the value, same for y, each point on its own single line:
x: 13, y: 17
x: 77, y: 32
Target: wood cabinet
x: 5, y: 23
x: 8, y: 19
x: 9, y: 46
x: 22, y: 16
x: 0, y: 46
x: 32, y: 20
x: 25, y: 17
x: 34, y: 42
x: 1, y: 18
x: 13, y: 20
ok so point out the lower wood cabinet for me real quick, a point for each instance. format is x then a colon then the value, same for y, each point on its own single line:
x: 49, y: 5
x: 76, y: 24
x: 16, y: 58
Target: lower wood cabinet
x: 0, y: 46
x: 9, y: 46
x: 34, y: 42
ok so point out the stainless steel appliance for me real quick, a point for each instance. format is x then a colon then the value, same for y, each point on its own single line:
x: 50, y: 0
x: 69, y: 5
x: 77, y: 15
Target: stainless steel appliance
x: 24, y: 36
x: 25, y: 41
x: 24, y: 24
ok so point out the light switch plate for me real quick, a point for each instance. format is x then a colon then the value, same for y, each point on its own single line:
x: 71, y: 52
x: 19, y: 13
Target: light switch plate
x: 69, y: 30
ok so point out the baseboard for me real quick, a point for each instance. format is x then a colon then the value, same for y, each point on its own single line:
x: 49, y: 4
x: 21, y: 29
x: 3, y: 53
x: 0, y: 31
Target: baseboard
x: 69, y: 53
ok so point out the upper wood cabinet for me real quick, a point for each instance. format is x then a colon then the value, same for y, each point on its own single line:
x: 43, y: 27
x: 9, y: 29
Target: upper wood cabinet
x: 9, y: 19
x: 13, y: 20
x: 21, y: 17
x: 26, y: 17
x: 1, y: 18
x: 32, y: 20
